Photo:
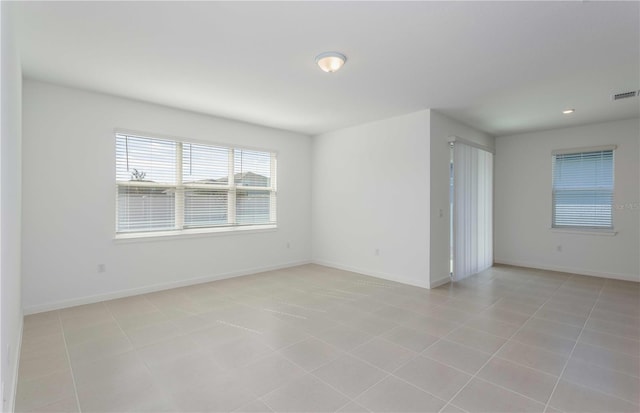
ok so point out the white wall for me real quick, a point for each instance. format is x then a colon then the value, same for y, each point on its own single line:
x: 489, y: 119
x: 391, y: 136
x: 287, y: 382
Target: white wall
x: 443, y: 127
x: 370, y: 190
x: 69, y: 201
x: 10, y: 142
x: 523, y: 203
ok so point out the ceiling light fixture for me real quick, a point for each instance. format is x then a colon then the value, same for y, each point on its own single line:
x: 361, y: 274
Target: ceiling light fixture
x: 568, y: 111
x: 330, y: 61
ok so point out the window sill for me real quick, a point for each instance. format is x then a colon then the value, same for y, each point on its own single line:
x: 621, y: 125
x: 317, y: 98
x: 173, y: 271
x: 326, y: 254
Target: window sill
x: 590, y: 231
x: 191, y: 233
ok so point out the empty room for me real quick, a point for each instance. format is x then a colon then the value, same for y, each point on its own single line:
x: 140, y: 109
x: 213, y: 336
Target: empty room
x: 320, y: 206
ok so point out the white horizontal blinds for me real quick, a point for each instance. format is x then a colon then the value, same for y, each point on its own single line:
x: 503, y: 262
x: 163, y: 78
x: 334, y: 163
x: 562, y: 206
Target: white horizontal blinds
x: 255, y: 189
x: 146, y: 180
x: 205, y: 208
x: 145, y: 209
x: 170, y: 185
x: 205, y: 176
x: 583, y: 189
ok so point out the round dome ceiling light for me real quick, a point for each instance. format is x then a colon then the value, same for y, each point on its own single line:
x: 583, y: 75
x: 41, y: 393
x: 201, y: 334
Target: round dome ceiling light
x: 330, y: 61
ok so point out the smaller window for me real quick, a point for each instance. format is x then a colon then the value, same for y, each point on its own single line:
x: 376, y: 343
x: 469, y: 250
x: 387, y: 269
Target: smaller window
x: 583, y: 188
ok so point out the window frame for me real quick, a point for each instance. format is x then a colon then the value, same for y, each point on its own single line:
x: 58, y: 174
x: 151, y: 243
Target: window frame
x: 181, y: 188
x: 584, y: 229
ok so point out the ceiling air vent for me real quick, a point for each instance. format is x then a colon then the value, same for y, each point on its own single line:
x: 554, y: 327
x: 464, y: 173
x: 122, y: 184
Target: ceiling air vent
x: 624, y: 95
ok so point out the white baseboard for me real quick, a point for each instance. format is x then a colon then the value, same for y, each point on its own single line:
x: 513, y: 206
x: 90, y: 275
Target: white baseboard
x: 382, y: 275
x: 439, y: 282
x: 57, y: 305
x: 571, y: 270
x: 12, y: 392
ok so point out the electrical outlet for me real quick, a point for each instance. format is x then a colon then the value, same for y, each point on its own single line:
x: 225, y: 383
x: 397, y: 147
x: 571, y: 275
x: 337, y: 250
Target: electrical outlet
x: 102, y: 268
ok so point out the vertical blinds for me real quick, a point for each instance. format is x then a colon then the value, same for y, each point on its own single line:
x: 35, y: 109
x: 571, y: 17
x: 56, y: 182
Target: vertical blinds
x: 583, y: 189
x: 472, y: 210
x: 171, y: 185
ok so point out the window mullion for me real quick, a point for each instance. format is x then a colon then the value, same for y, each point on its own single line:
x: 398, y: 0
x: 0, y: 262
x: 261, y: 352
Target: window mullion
x: 231, y: 197
x: 179, y: 199
x: 273, y: 193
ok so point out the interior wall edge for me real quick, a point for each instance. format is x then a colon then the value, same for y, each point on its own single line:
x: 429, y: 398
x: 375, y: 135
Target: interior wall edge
x: 58, y: 305
x: 570, y: 270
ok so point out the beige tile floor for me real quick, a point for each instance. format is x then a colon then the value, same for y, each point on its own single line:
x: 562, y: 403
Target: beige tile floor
x: 313, y: 338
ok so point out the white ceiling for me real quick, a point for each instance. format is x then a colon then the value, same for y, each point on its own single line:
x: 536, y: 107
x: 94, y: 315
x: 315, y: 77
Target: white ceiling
x: 501, y: 67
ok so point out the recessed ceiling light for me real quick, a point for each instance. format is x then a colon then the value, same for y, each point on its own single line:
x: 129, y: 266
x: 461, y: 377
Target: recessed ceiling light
x: 568, y: 111
x: 330, y: 61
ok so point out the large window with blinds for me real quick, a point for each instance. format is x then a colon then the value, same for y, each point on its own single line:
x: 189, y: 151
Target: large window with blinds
x: 175, y: 186
x: 583, y: 188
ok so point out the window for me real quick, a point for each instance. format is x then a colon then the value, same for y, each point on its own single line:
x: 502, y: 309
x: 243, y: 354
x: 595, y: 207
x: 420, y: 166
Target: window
x: 166, y: 185
x: 583, y: 188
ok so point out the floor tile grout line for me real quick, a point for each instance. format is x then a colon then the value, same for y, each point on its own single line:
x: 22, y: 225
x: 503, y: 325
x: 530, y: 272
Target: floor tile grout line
x: 306, y: 373
x: 609, y: 334
x: 468, y: 325
x: 625, y: 321
x: 582, y: 361
x: 520, y: 341
x: 509, y: 390
x: 583, y: 326
x: 613, y: 396
x: 460, y: 325
x: 615, y: 370
x: 254, y: 361
x: 392, y: 374
x: 348, y: 353
x: 526, y: 366
x: 566, y: 363
x: 560, y: 323
x: 134, y: 350
x: 49, y: 372
x: 571, y: 354
x: 388, y: 373
x: 73, y: 377
x: 443, y: 338
x: 491, y: 382
x: 494, y: 354
x: 457, y: 407
x: 497, y: 356
x: 257, y: 399
x: 600, y: 347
